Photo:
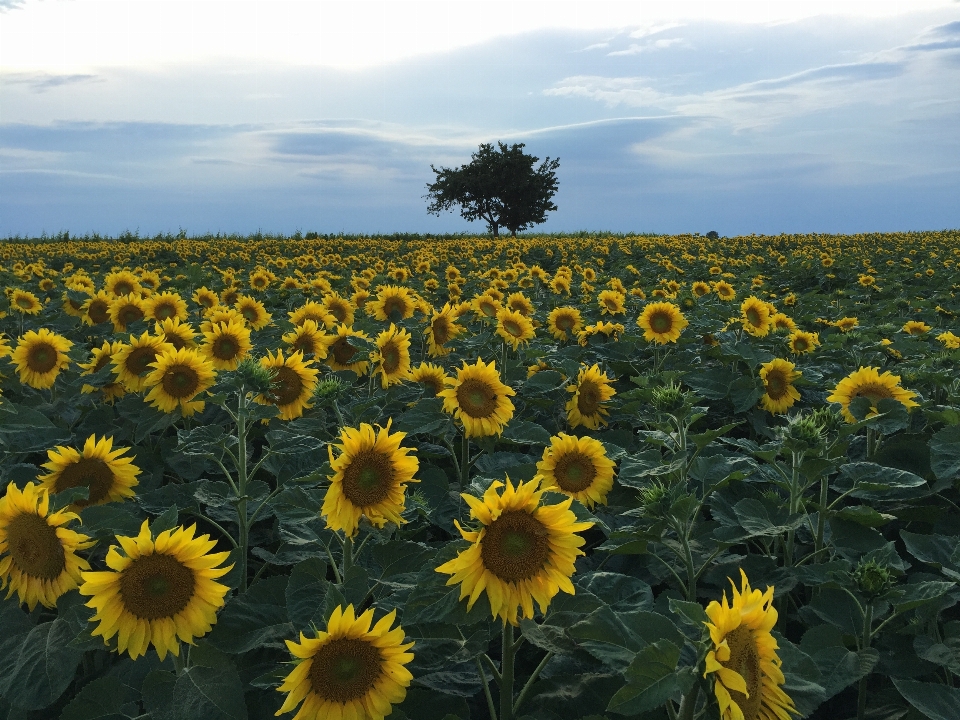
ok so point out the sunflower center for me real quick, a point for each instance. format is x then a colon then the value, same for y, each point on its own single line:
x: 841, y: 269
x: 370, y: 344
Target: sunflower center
x: 661, y: 322
x: 34, y: 547
x: 42, y: 357
x: 433, y: 384
x: 250, y: 313
x: 181, y: 381
x: 476, y: 398
x: 745, y: 660
x: 123, y: 288
x: 343, y: 351
x: 225, y: 348
x: 776, y: 384
x: 753, y: 317
x: 441, y: 330
x: 368, y: 478
x: 800, y: 344
x: 164, y: 311
x: 206, y: 300
x: 488, y: 309
x: 175, y: 340
x: 588, y: 398
x: 610, y: 303
x: 574, y: 472
x: 287, y: 385
x: 513, y: 328
x: 338, y: 311
x: 345, y: 669
x: 24, y: 302
x: 156, y: 586
x: 305, y: 344
x: 92, y: 473
x: 129, y: 313
x: 565, y: 322
x: 139, y: 359
x: 393, y: 305
x: 873, y: 391
x: 515, y: 546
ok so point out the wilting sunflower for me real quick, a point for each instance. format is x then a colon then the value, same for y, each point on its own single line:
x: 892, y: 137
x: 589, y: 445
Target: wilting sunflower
x: 99, y: 358
x: 132, y: 362
x: 340, y: 308
x: 253, y: 312
x: 38, y: 555
x: 341, y: 354
x: 724, y: 290
x: 109, y: 476
x: 124, y: 310
x: 744, y: 660
x: 607, y: 330
x: 564, y: 322
x: 430, y: 376
x: 177, y: 377
x: 96, y: 310
x: 306, y: 339
x: 226, y: 344
x: 611, y: 302
x: 523, y: 551
x: 392, y: 356
x: 158, y: 591
x: 578, y: 467
x: 591, y: 389
x: 40, y: 356
x: 24, y: 301
x: 121, y: 283
x: 165, y: 306
x: 514, y: 327
x: 803, y: 342
x: 370, y: 477
x: 662, y: 322
x: 313, y: 311
x: 478, y: 399
x: 755, y: 316
x: 869, y: 383
x: 779, y: 393
x: 442, y: 329
x: 916, y: 327
x: 293, y: 383
x: 393, y: 303
x: 349, y: 670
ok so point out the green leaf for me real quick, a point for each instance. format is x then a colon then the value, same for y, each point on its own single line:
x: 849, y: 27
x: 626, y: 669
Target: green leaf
x: 425, y: 418
x: 166, y: 521
x: 865, y: 515
x: 745, y: 392
x: 907, y: 597
x: 542, y: 383
x: 422, y: 704
x: 200, y: 693
x: 306, y: 592
x: 101, y: 699
x: 433, y: 601
x: 946, y: 653
x: 204, y: 440
x: 38, y: 665
x: 937, y: 702
x: 622, y: 593
x: 841, y: 668
x: 614, y: 638
x: 837, y: 608
x: 689, y: 612
x: 524, y: 432
x: 713, y: 384
x: 870, y: 481
x: 652, y: 679
x: 760, y: 519
x: 945, y: 453
x: 701, y: 440
x: 936, y: 550
x: 257, y: 618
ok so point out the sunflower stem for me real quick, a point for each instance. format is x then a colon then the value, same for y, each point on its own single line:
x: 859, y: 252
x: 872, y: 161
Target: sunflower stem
x: 178, y: 664
x: 532, y: 679
x: 865, y: 643
x: 465, y: 460
x: 242, y: 520
x: 347, y: 555
x: 822, y: 513
x: 689, y: 703
x: 506, y: 673
x: 486, y: 691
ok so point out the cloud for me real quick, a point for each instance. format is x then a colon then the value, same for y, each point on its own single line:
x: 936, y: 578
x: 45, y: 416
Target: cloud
x: 648, y: 30
x: 636, y: 48
x: 40, y: 82
x: 6, y: 5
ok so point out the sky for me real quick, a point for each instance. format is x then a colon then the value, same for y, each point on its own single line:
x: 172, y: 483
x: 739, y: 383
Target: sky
x: 669, y: 117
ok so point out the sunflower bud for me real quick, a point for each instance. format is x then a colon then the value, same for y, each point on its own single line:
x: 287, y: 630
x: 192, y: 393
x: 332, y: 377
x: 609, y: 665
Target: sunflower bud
x: 872, y: 578
x: 671, y: 400
x: 655, y: 499
x: 328, y: 391
x: 803, y: 433
x: 254, y: 376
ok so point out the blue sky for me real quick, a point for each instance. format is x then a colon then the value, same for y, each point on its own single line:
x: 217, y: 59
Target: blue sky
x: 842, y: 122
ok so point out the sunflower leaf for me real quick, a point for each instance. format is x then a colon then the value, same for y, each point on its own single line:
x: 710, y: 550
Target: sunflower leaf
x: 652, y: 679
x: 936, y: 701
x: 200, y: 693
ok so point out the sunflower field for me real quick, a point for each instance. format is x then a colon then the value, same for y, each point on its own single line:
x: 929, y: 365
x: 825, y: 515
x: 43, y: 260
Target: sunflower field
x: 569, y: 477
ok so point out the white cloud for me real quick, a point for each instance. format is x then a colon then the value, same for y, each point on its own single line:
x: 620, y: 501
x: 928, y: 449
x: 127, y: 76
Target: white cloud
x: 637, y: 48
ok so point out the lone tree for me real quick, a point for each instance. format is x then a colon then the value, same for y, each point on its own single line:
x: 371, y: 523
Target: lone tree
x: 501, y: 186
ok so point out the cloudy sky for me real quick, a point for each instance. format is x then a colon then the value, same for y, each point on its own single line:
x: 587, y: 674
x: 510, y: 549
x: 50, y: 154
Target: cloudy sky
x: 766, y: 117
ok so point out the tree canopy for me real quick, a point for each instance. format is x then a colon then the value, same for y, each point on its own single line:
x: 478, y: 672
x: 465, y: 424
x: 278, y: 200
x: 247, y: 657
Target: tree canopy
x: 501, y: 185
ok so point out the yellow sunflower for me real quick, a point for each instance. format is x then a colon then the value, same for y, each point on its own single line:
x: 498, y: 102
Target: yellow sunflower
x: 125, y: 310
x: 99, y: 358
x: 307, y: 339
x: 40, y: 356
x: 177, y: 377
x: 700, y: 288
x: 744, y: 661
x: 520, y: 303
x: 846, y: 324
x: 370, y: 477
x: 225, y: 344
x: 803, y: 342
x: 662, y: 322
x: 430, y: 376
x: 349, y: 670
x: 611, y: 331
x: 131, y: 363
x: 868, y: 382
x: 253, y: 312
x: 755, y: 316
x: 38, y: 554
x: 779, y: 393
x: 442, y: 329
x: 293, y: 383
x: 514, y: 327
x: 158, y: 591
x: 949, y: 340
x: 96, y: 310
x: 24, y: 301
x: 591, y: 389
x: 611, y: 302
x: 485, y: 306
x: 165, y: 306
x: 564, y: 322
x: 392, y: 356
x: 70, y: 306
x: 206, y: 298
x: 724, y: 290
x: 340, y: 308
x: 916, y: 327
x: 393, y: 303
x: 6, y: 350
x: 779, y: 321
x: 341, y: 354
x: 313, y: 311
x: 578, y: 467
x: 478, y: 399
x: 108, y: 475
x: 122, y: 283
x: 523, y: 551
x: 176, y: 333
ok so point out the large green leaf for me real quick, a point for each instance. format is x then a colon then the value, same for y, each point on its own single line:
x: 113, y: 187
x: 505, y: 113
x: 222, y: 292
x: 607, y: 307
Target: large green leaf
x: 36, y: 666
x: 652, y: 679
x: 945, y: 453
x: 200, y: 693
x: 937, y: 702
x: 101, y: 699
x: 257, y: 618
x: 306, y: 593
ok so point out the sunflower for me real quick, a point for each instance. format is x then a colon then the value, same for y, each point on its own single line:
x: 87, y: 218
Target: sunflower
x: 611, y: 302
x: 744, y: 660
x: 916, y: 327
x: 514, y: 327
x: 724, y: 290
x: 609, y: 330
x: 71, y: 306
x: 869, y: 383
x: 230, y: 295
x: 176, y: 333
x: 341, y: 308
x: 225, y: 344
x: 564, y: 322
x: 6, y: 351
x: 369, y: 479
x: 40, y: 356
x: 158, y: 591
x: 293, y: 383
x: 96, y: 310
x: 108, y: 476
x: 260, y: 279
x: 662, y: 322
x: 803, y: 342
x: 392, y: 356
x: 442, y: 329
x: 779, y: 393
x: 520, y: 303
x: 341, y: 354
x: 253, y: 312
x: 430, y: 376
x: 846, y: 324
x: 949, y: 340
x: 206, y: 298
x: 124, y: 310
x: 779, y: 321
x: 485, y: 306
x: 700, y: 288
x: 393, y: 303
x: 755, y: 316
x: 306, y: 338
x: 99, y: 358
x: 38, y: 555
x: 122, y: 283
x: 523, y: 551
x: 24, y: 301
x: 478, y: 399
x: 220, y: 314
x: 178, y: 376
x: 578, y: 467
x: 591, y: 389
x: 312, y: 311
x: 149, y: 281
x: 165, y: 306
x: 349, y: 670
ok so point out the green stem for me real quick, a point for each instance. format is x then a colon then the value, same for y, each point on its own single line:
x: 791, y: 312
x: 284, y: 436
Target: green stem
x: 529, y: 684
x: 689, y: 703
x: 347, y: 555
x: 244, y: 540
x: 486, y: 691
x: 865, y: 643
x: 506, y: 673
x: 822, y: 514
x: 796, y: 460
x: 872, y: 438
x: 464, y: 460
x: 178, y: 662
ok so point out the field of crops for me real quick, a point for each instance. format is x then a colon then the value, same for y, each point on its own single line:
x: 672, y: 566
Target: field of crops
x: 545, y: 478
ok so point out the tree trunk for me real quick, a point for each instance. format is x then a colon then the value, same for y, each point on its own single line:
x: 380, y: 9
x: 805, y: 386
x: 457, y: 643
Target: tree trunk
x: 496, y: 230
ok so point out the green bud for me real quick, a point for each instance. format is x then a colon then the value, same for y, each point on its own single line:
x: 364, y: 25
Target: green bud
x: 329, y: 390
x: 655, y: 499
x: 803, y: 433
x: 872, y: 578
x: 670, y: 399
x: 254, y: 376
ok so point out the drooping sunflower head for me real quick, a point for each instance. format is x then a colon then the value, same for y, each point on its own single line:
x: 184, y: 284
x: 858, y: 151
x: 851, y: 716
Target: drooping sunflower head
x: 514, y: 327
x: 176, y: 378
x: 226, y: 344
x: 392, y: 356
x: 868, y: 382
x: 293, y: 384
x: 38, y: 557
x: 755, y: 316
x: 158, y: 591
x: 431, y: 376
x: 478, y: 399
x: 743, y: 661
x: 40, y: 355
x: 661, y: 322
x: 105, y: 471
x: 165, y: 306
x: 342, y: 354
x: 306, y: 338
x: 370, y: 478
x: 590, y: 391
x: 523, y: 551
x: 132, y: 362
x: 578, y: 467
x: 779, y: 393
